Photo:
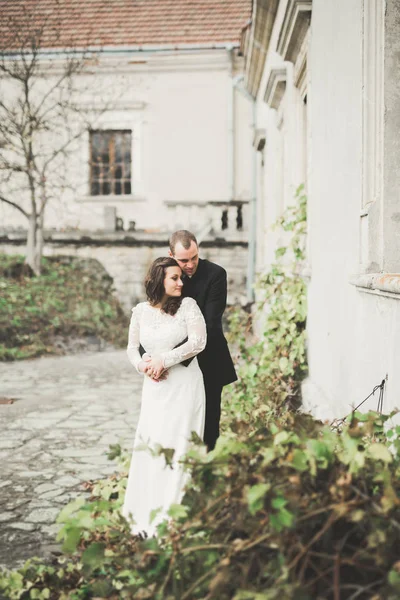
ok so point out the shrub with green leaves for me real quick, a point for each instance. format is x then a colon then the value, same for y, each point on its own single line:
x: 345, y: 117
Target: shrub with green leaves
x: 289, y: 509
x: 72, y: 298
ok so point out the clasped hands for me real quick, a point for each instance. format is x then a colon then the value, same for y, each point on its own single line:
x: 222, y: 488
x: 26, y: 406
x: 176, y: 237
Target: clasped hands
x: 153, y: 367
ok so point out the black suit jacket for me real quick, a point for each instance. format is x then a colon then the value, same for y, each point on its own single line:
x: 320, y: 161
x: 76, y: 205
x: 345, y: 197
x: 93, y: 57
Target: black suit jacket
x: 208, y: 287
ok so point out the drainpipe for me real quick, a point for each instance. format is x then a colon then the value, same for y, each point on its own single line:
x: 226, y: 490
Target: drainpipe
x: 231, y: 128
x: 251, y: 263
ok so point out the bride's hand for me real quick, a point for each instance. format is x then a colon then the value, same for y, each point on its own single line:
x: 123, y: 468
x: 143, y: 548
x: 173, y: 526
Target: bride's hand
x: 155, y: 367
x: 142, y: 367
x: 144, y: 363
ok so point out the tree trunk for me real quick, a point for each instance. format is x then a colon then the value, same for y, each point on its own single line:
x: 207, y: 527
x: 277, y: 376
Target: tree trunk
x: 31, y: 244
x: 39, y: 244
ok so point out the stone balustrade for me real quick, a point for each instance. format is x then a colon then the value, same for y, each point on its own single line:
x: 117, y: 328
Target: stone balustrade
x: 228, y: 219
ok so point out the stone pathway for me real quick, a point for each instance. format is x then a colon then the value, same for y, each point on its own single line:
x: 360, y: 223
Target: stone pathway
x: 68, y: 410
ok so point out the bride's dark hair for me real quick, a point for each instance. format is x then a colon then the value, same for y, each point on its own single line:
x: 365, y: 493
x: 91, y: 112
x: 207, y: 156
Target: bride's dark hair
x: 154, y: 285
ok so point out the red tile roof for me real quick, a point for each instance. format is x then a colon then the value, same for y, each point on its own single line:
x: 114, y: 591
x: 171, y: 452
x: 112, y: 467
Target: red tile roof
x: 125, y: 22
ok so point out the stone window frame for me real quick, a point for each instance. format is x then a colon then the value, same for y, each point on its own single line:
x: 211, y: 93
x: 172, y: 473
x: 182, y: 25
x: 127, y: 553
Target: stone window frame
x: 123, y: 118
x: 294, y: 28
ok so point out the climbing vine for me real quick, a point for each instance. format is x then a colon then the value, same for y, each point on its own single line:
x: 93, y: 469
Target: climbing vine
x: 272, y: 366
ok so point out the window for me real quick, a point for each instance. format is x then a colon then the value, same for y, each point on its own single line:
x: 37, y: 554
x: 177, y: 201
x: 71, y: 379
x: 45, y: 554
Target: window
x: 110, y: 162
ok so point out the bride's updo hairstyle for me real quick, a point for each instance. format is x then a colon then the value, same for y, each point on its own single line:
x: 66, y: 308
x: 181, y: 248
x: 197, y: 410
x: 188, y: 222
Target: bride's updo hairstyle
x: 154, y: 285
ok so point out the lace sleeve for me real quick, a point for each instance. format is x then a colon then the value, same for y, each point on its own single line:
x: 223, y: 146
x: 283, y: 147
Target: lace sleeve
x: 197, y: 335
x: 133, y: 338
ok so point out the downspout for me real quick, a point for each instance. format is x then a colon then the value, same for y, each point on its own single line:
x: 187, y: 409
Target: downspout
x: 251, y: 263
x: 231, y: 128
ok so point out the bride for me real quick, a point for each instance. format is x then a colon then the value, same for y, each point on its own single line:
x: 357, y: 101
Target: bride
x: 173, y: 397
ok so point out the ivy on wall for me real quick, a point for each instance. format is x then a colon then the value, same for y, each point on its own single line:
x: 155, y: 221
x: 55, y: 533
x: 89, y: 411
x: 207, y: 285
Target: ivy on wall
x: 272, y: 367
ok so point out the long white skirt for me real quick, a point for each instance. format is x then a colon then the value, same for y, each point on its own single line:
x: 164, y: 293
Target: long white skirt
x: 170, y: 411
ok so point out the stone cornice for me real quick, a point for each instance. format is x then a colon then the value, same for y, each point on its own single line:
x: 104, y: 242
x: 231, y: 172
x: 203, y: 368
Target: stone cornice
x: 294, y: 28
x: 381, y: 283
x: 276, y: 87
x: 146, y: 61
x: 264, y: 13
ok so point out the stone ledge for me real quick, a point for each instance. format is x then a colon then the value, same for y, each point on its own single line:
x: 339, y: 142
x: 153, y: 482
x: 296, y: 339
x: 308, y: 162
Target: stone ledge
x: 112, y: 198
x: 121, y: 238
x: 389, y: 283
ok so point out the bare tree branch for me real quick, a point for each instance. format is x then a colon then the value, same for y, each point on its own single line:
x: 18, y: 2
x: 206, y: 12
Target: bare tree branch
x: 15, y: 205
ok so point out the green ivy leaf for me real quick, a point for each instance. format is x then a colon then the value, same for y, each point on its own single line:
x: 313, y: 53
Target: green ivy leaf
x: 380, y: 452
x: 93, y: 556
x: 278, y: 502
x: 178, y: 511
x: 283, y: 363
x: 70, y: 509
x: 255, y: 497
x: 300, y: 460
x: 71, y: 540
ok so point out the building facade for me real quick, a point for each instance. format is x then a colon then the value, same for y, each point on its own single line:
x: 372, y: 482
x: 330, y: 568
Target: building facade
x: 169, y: 126
x: 324, y: 78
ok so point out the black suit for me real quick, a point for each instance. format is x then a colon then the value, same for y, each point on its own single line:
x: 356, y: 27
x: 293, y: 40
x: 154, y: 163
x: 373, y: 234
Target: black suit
x: 208, y: 287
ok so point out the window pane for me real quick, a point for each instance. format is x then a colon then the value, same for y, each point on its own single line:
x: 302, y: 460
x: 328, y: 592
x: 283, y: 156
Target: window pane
x: 127, y: 148
x: 105, y: 171
x: 118, y: 172
x: 94, y: 188
x: 95, y: 140
x: 119, y: 142
x: 127, y: 187
x: 118, y: 188
x: 105, y: 155
x: 106, y: 188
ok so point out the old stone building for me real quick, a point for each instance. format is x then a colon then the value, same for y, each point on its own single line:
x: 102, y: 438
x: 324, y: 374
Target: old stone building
x: 325, y: 78
x: 169, y: 143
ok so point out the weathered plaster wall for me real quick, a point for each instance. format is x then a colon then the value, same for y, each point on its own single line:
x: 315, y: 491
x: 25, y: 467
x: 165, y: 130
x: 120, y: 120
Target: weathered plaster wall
x: 391, y: 182
x: 334, y: 188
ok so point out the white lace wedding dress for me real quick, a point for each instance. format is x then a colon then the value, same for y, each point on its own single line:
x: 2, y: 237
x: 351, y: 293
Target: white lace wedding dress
x: 171, y: 409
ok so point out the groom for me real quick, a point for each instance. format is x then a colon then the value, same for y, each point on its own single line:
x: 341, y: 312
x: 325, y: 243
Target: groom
x: 206, y: 283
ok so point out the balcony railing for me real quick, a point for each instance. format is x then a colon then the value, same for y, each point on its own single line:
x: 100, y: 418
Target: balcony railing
x: 228, y: 219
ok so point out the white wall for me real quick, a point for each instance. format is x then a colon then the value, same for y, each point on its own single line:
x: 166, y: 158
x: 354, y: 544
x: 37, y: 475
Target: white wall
x: 334, y: 199
x: 353, y: 332
x: 177, y: 106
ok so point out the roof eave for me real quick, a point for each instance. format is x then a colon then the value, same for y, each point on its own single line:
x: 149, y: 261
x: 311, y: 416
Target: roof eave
x: 130, y: 49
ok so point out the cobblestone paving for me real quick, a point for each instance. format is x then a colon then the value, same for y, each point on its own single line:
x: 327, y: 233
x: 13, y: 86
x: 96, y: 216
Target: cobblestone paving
x: 54, y: 437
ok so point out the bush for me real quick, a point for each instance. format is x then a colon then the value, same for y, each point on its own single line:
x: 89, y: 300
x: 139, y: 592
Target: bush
x: 72, y: 298
x: 285, y: 509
